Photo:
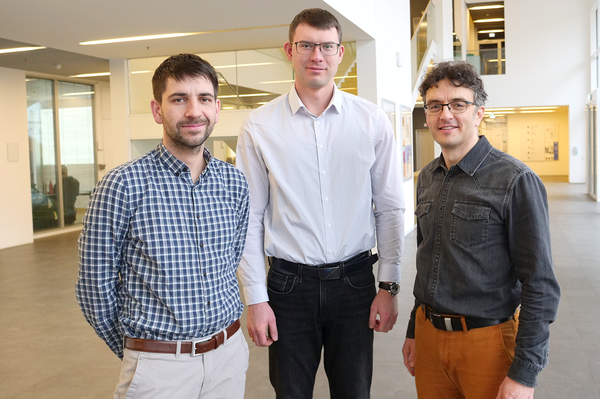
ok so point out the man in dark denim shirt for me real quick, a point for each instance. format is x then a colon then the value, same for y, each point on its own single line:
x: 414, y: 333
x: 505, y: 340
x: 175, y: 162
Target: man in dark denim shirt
x: 483, y: 249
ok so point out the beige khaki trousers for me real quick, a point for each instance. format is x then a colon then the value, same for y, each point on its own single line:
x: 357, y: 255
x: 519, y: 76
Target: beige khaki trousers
x: 220, y: 373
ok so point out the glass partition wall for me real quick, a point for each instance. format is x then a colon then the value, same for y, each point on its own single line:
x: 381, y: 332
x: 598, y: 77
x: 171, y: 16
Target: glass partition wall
x: 61, y: 151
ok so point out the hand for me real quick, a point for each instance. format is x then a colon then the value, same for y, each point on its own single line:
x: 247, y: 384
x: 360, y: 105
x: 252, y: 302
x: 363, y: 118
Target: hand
x: 511, y: 389
x: 408, y: 351
x: 261, y: 317
x: 386, y: 306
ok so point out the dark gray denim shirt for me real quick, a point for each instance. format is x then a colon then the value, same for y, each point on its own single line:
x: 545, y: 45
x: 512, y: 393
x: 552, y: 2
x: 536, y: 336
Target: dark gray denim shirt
x: 484, y: 248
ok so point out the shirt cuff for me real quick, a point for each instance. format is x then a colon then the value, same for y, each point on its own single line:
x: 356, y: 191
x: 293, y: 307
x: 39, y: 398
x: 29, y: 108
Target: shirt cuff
x: 524, y: 373
x: 256, y: 293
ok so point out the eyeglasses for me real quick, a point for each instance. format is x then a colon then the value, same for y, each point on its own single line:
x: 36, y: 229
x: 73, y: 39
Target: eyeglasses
x: 456, y: 107
x: 306, y: 48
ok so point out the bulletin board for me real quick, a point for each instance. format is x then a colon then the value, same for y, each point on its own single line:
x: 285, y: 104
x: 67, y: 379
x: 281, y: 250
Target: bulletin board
x: 539, y: 142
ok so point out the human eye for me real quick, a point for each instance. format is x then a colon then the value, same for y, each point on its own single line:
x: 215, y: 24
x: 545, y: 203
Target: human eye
x: 434, y: 107
x: 328, y: 46
x: 305, y: 45
x: 458, y: 105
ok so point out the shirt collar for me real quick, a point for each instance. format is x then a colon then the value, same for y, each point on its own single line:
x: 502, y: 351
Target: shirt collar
x: 175, y: 165
x: 296, y: 103
x: 474, y: 158
x: 470, y: 162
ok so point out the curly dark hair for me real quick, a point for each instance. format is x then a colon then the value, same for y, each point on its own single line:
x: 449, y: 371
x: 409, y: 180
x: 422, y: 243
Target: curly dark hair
x: 317, y: 18
x: 460, y: 74
x: 180, y: 67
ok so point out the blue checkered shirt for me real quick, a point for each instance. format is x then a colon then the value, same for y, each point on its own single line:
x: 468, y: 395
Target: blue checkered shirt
x: 159, y: 253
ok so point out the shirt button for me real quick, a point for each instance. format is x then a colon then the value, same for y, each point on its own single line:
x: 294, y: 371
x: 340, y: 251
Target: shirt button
x: 201, y: 245
x: 320, y: 145
x: 326, y: 198
x: 208, y: 304
x: 328, y: 224
x: 324, y: 172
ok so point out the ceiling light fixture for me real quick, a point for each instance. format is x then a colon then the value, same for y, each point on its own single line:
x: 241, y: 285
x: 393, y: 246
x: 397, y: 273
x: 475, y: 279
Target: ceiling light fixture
x: 537, y: 108
x: 169, y: 35
x: 136, y: 38
x: 491, y: 31
x: 244, y: 65
x: 20, y: 49
x: 482, y: 21
x: 90, y: 75
x: 538, y: 111
x: 246, y: 95
x: 491, y: 7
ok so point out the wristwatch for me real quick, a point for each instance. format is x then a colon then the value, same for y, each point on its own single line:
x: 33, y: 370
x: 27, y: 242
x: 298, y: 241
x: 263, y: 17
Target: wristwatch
x: 392, y: 288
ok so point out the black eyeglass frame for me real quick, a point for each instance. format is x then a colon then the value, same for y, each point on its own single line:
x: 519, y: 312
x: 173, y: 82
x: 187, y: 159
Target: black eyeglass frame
x: 452, y: 111
x: 314, y: 46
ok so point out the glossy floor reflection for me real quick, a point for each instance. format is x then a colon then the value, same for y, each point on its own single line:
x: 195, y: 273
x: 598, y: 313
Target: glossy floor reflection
x: 49, y: 351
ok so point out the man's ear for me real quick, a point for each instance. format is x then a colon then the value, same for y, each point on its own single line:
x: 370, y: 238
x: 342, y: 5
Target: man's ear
x: 156, y: 111
x: 287, y: 47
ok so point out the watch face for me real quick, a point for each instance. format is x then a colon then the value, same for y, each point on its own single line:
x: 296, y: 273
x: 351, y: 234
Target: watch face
x: 394, y: 288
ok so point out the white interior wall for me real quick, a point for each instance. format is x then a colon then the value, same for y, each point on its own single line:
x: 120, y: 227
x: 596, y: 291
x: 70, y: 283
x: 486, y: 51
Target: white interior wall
x: 384, y: 67
x: 547, y: 63
x: 16, y: 226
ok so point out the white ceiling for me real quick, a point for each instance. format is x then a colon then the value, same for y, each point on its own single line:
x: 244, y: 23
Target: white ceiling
x: 61, y: 25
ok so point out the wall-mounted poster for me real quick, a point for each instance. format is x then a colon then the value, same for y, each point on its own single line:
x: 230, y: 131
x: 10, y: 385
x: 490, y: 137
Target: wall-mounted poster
x: 407, y: 151
x: 539, y: 142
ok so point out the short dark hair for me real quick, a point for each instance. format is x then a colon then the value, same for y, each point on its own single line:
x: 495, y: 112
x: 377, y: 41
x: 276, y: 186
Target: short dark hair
x: 317, y: 18
x: 460, y: 74
x: 180, y: 67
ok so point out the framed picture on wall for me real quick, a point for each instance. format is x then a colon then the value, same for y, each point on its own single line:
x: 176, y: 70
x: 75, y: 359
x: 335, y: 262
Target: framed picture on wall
x: 407, y: 147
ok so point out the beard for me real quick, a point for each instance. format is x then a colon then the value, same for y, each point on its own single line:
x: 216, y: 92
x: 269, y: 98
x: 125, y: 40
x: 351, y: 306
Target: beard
x: 191, y: 142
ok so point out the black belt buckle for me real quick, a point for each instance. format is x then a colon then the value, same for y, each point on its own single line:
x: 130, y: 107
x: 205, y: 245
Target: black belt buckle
x: 330, y: 273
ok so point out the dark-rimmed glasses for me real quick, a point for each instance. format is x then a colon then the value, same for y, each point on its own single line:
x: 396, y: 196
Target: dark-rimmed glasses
x: 306, y: 48
x: 455, y: 107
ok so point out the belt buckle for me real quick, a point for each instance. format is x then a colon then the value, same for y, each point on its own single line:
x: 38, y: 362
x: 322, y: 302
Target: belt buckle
x: 447, y: 320
x: 198, y: 341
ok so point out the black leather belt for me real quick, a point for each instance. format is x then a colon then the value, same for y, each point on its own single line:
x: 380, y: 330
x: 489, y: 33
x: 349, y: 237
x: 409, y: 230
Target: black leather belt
x: 454, y: 323
x: 327, y: 271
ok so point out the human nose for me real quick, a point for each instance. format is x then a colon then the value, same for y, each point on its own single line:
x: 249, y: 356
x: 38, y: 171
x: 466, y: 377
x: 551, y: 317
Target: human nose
x: 446, y: 111
x: 315, y: 53
x: 193, y: 110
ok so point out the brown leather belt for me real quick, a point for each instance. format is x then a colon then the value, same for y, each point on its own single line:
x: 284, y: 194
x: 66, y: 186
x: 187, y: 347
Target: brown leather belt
x: 194, y: 348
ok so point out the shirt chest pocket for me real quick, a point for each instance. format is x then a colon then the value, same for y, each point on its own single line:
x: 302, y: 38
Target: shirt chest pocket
x: 422, y: 214
x: 470, y: 222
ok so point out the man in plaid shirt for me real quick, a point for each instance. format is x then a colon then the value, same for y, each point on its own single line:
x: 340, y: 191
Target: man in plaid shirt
x: 161, y: 242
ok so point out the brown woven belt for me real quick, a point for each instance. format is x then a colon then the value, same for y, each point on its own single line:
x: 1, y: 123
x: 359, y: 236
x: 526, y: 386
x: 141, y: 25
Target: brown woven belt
x: 195, y: 347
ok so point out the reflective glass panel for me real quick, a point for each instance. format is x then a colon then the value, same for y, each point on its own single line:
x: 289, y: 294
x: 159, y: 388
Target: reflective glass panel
x: 42, y: 153
x: 76, y: 122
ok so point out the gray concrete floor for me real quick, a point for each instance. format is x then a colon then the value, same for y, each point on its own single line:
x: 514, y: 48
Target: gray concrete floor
x: 49, y: 351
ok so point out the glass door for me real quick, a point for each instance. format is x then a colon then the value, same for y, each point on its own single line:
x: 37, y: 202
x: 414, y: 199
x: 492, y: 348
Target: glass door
x: 61, y: 151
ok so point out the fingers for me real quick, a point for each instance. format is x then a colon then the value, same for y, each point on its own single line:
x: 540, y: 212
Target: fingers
x: 386, y: 307
x: 408, y: 352
x: 261, y: 324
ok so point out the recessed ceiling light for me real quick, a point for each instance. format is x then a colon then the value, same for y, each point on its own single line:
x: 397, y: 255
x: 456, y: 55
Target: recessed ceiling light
x: 488, y: 20
x: 491, y: 7
x: 19, y: 49
x: 89, y: 75
x: 169, y: 35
